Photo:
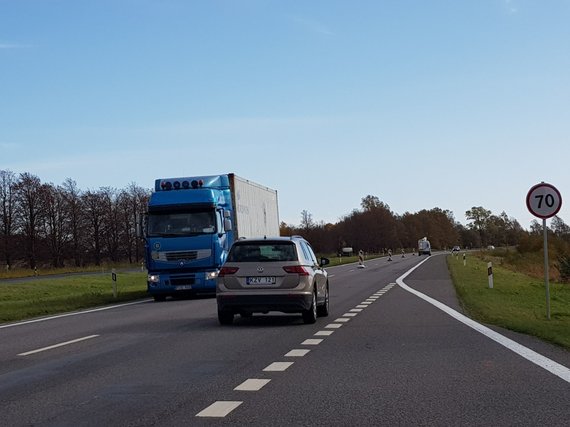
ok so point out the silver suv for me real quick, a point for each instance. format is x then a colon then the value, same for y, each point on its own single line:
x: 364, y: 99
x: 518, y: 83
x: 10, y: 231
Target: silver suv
x: 272, y: 274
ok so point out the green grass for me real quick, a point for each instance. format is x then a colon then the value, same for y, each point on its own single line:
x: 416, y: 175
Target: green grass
x: 27, y: 272
x: 58, y: 295
x: 516, y: 302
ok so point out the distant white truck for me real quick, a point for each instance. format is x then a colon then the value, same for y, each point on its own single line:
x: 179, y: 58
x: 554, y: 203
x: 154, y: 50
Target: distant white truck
x: 424, y: 247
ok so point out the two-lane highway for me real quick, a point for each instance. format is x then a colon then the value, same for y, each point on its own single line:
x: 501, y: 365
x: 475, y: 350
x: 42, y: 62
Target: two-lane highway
x: 384, y: 356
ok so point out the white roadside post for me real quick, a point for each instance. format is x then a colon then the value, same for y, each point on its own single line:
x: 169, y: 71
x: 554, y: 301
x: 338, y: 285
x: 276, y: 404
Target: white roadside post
x: 114, y: 277
x: 464, y: 260
x: 490, y: 274
x: 544, y: 201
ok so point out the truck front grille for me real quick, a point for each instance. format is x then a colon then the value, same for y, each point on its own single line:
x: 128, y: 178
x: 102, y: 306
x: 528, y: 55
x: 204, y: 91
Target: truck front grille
x: 182, y: 255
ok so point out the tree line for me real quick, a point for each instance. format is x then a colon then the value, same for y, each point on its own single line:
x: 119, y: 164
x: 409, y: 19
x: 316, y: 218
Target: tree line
x: 376, y: 228
x: 45, y: 224
x: 42, y: 224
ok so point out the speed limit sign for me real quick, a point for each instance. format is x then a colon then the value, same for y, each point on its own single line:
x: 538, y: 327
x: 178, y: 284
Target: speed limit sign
x: 544, y: 200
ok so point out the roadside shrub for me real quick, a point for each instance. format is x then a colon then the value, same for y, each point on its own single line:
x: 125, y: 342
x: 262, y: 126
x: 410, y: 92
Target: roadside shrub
x: 563, y: 267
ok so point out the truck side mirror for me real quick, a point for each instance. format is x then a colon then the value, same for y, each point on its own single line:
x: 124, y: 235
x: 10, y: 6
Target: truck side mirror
x: 227, y: 224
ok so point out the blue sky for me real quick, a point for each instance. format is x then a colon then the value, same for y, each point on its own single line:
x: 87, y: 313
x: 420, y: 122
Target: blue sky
x: 424, y: 104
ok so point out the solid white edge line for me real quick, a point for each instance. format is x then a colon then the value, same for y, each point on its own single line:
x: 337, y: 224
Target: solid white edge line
x: 551, y: 366
x: 39, y: 350
x: 219, y: 409
x: 75, y: 313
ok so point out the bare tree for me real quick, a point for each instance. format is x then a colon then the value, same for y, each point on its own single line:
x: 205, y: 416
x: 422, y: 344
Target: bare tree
x: 93, y: 202
x: 56, y: 223
x: 7, y: 206
x: 29, y: 196
x: 72, y: 197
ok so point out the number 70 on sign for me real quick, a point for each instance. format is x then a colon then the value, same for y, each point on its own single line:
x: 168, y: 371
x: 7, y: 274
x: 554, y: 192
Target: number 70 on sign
x: 544, y: 200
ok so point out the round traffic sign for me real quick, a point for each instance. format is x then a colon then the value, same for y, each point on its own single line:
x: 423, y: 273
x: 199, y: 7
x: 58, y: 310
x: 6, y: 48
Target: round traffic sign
x: 544, y: 200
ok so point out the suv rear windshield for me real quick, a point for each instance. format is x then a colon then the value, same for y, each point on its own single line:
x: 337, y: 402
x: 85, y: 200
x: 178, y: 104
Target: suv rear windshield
x: 263, y: 252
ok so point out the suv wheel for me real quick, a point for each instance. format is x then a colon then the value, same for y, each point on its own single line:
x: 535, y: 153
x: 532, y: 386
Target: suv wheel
x: 310, y: 315
x: 225, y: 317
x: 323, y: 310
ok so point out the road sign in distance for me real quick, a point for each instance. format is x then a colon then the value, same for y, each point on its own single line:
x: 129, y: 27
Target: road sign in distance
x: 544, y: 200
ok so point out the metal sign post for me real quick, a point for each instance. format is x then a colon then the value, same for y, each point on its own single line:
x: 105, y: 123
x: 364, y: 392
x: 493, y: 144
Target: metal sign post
x: 544, y: 201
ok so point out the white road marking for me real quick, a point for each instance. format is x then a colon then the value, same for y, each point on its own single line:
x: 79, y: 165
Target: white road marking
x: 551, y: 366
x: 356, y: 310
x: 297, y: 353
x: 333, y: 326
x: 219, y: 409
x: 350, y: 314
x: 366, y: 302
x: 312, y: 341
x: 342, y: 319
x: 324, y: 333
x: 75, y: 313
x: 362, y: 306
x: 278, y: 366
x: 39, y: 350
x: 251, y: 385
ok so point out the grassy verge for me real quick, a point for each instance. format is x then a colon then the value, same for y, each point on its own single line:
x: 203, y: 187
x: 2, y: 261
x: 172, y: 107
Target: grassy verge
x: 516, y: 302
x: 50, y: 296
x: 26, y: 272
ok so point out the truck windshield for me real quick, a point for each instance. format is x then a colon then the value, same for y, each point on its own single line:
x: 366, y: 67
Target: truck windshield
x: 165, y: 224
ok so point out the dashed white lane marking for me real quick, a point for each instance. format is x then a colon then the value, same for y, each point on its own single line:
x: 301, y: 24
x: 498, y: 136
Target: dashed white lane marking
x: 333, y: 326
x: 350, y: 314
x: 278, y: 366
x: 361, y: 306
x: 312, y: 341
x: 366, y: 302
x: 297, y: 353
x: 342, y: 319
x: 251, y: 385
x: 39, y: 350
x: 324, y: 333
x: 551, y: 366
x: 219, y: 409
x: 356, y: 310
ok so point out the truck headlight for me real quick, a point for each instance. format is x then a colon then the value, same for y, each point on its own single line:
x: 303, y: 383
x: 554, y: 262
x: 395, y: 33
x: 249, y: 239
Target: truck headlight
x: 211, y: 275
x: 153, y: 278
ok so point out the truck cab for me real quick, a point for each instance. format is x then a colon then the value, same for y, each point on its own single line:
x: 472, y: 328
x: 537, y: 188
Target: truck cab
x: 188, y: 235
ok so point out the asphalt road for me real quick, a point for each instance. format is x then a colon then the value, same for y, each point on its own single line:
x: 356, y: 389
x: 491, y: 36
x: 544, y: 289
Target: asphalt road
x: 384, y: 356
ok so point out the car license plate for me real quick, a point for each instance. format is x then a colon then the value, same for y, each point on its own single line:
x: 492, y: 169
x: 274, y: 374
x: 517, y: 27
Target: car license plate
x: 183, y: 287
x: 260, y: 280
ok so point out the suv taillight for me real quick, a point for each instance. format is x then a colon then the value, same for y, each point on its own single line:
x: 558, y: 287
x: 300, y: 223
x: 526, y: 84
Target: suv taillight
x: 299, y: 269
x: 227, y: 271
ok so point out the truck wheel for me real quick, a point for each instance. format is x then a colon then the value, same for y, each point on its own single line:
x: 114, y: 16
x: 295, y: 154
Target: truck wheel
x: 225, y: 317
x: 310, y: 315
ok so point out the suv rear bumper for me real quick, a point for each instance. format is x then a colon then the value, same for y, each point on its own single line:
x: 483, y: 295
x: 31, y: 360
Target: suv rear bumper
x: 285, y: 303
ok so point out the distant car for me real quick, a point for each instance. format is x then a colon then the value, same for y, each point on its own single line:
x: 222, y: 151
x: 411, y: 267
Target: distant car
x: 272, y: 274
x: 491, y: 247
x: 456, y: 249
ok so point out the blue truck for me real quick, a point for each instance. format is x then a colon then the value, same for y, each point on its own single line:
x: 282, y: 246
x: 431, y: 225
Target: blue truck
x: 191, y: 223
